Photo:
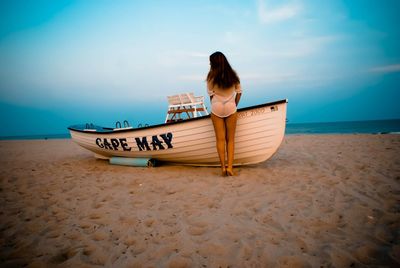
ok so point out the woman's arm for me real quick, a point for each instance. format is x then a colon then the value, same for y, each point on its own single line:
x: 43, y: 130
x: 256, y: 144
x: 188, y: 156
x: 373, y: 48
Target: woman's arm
x: 210, y: 91
x: 238, y: 90
x: 237, y: 98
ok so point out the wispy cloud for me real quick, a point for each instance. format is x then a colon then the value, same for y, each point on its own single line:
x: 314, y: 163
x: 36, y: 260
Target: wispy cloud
x: 269, y: 14
x: 268, y: 77
x: 298, y: 47
x: 192, y: 77
x: 194, y: 54
x: 386, y: 69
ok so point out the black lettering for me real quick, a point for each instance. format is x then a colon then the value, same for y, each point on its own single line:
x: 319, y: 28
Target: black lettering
x: 98, y: 142
x: 115, y: 144
x: 167, y: 139
x: 142, y: 144
x: 156, y: 142
x: 124, y: 145
x: 107, y: 145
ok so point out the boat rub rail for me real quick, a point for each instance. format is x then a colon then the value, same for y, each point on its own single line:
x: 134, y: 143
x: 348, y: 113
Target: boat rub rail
x: 105, y: 130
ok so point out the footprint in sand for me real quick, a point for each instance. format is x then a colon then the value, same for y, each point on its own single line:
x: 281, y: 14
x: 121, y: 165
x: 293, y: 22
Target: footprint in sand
x: 302, y: 245
x: 137, y: 249
x: 197, y: 228
x: 368, y: 254
x: 94, y: 254
x: 61, y: 216
x: 73, y: 235
x: 341, y: 259
x: 292, y: 261
x: 149, y: 222
x: 384, y: 234
x: 243, y: 212
x: 245, y: 253
x: 95, y: 216
x: 268, y: 220
x: 53, y: 234
x: 107, y: 198
x: 97, y: 205
x: 63, y: 255
x: 179, y: 262
x: 85, y: 224
x: 129, y: 241
x: 100, y: 235
x: 214, y: 203
x: 127, y: 220
x: 213, y: 249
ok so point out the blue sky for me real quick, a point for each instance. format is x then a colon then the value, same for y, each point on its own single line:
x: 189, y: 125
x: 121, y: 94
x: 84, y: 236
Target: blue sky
x: 67, y: 62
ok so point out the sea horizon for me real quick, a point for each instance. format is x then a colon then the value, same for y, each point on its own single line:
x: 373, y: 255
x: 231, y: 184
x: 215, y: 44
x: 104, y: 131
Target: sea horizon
x: 381, y: 126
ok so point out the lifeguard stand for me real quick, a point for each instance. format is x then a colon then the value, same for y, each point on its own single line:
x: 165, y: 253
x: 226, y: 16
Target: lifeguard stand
x: 185, y: 105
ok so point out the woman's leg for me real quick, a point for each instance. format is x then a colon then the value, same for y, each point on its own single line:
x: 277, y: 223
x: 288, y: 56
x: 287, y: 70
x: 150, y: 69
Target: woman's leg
x: 219, y: 128
x: 230, y: 123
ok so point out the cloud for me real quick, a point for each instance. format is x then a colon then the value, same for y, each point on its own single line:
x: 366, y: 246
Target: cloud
x: 297, y: 47
x: 192, y: 77
x: 386, y: 69
x: 268, y: 14
x: 268, y: 77
x: 196, y: 54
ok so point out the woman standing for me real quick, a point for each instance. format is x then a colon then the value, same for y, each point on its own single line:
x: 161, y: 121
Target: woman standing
x: 223, y: 87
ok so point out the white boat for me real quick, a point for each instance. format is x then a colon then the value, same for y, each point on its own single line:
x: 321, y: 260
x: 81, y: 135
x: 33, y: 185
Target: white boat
x: 259, y: 133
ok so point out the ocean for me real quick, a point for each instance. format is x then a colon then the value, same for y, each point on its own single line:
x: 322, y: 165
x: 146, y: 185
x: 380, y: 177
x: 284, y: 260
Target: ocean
x: 348, y: 127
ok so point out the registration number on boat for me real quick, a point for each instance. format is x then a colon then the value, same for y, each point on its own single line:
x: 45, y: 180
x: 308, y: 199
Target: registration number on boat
x: 254, y: 112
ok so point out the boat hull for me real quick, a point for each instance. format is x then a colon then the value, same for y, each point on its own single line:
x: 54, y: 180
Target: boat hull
x: 259, y: 133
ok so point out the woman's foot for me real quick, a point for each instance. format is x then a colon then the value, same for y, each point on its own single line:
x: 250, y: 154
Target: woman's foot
x: 223, y: 172
x: 229, y: 172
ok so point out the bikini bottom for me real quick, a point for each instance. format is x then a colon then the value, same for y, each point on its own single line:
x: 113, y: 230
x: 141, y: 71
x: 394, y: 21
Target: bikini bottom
x: 223, y: 108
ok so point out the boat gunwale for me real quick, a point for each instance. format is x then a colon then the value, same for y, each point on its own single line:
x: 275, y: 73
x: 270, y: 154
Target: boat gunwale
x: 114, y: 131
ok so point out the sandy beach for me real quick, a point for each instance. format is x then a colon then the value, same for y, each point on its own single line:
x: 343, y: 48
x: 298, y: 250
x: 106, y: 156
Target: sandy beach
x: 321, y: 201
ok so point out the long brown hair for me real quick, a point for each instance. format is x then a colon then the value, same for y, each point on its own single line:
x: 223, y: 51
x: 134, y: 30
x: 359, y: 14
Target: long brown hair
x: 221, y: 72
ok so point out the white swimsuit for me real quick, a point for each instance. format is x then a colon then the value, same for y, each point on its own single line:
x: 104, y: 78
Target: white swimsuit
x: 223, y: 100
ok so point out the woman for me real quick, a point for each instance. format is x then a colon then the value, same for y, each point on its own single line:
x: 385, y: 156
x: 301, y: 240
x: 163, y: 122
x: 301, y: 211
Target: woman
x: 223, y: 87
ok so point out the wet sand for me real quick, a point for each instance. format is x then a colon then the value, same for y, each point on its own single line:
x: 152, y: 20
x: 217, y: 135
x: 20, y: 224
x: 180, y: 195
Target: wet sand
x: 324, y: 200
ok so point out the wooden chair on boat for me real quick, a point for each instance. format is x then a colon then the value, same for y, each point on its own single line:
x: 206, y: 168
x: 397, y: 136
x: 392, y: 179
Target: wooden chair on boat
x: 185, y: 104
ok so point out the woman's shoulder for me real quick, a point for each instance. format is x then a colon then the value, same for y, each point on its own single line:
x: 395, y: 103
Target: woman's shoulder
x: 237, y: 87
